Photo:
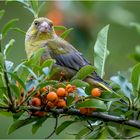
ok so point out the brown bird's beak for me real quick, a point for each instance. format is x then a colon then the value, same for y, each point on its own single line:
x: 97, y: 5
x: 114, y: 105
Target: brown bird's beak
x: 44, y: 27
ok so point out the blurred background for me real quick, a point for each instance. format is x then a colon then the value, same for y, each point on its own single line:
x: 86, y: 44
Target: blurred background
x: 87, y: 18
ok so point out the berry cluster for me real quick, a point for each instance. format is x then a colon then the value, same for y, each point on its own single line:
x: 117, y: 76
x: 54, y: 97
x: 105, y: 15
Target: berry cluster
x: 50, y: 98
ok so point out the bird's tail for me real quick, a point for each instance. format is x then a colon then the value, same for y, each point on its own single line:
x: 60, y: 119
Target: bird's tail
x: 94, y: 79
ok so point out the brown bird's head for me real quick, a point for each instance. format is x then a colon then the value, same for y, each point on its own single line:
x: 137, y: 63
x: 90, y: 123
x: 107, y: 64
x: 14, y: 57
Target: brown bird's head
x: 39, y: 32
x: 41, y: 29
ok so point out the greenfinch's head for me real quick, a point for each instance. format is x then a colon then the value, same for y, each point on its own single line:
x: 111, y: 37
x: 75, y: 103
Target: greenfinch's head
x: 41, y: 28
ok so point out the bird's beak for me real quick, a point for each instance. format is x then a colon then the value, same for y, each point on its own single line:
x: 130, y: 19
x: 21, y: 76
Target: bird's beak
x: 44, y: 27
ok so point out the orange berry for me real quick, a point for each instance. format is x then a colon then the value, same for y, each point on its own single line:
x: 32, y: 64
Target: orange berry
x: 83, y: 110
x: 96, y: 92
x: 44, y: 89
x: 39, y: 113
x: 50, y: 104
x: 36, y: 102
x: 37, y: 94
x: 66, y: 94
x: 61, y: 92
x: 90, y: 110
x: 70, y: 88
x: 61, y: 103
x: 52, y: 96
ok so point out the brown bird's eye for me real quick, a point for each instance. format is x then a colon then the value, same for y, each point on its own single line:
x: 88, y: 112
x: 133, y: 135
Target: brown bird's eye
x: 36, y: 23
x: 51, y: 24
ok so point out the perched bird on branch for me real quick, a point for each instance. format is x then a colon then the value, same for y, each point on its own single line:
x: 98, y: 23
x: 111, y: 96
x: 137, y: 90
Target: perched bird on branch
x: 68, y: 60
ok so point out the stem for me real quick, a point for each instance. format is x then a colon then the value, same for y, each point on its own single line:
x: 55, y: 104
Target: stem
x: 56, y: 123
x: 98, y: 115
x: 6, y: 78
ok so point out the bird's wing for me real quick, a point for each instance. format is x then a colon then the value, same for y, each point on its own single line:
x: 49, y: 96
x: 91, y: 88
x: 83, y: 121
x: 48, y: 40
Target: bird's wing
x: 66, y: 55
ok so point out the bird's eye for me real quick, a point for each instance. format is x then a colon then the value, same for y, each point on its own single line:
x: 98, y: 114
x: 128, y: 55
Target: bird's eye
x: 36, y: 23
x: 51, y: 24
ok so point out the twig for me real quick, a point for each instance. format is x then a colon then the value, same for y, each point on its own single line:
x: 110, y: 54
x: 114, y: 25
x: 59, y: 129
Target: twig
x: 98, y: 115
x: 56, y: 123
x: 132, y: 137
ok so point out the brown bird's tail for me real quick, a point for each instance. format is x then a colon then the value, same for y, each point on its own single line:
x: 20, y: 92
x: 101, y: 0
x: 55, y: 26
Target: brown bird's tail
x: 95, y: 80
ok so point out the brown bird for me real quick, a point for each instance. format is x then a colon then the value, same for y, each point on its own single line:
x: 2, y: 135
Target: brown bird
x: 68, y: 60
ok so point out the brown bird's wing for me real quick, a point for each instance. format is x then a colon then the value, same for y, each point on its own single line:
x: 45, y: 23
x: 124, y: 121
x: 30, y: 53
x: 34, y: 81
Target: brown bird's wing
x: 66, y: 55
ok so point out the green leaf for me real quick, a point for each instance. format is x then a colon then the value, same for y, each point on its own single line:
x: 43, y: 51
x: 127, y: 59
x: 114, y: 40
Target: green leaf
x: 35, y: 58
x: 19, y: 30
x: 60, y: 28
x: 113, y: 131
x: 8, y: 26
x: 70, y: 99
x: 16, y: 90
x: 20, y: 123
x: 136, y: 26
x: 100, y: 51
x: 7, y: 47
x: 2, y: 80
x: 47, y: 66
x: 1, y: 60
x: 79, y: 83
x: 84, y: 72
x: 38, y: 124
x: 66, y: 33
x: 92, y: 103
x: 1, y: 13
x: 62, y: 126
x: 135, y: 78
x: 34, y: 4
x: 83, y: 133
x: 30, y: 71
x: 9, y: 66
x: 17, y: 115
x: 15, y: 77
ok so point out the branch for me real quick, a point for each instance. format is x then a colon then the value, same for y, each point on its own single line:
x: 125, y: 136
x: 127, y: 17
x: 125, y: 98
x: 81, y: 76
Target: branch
x: 98, y: 115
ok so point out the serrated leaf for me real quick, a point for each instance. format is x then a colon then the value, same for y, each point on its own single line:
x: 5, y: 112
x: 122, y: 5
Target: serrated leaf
x: 135, y: 78
x: 63, y: 126
x: 92, y: 103
x: 84, y: 72
x: 1, y: 13
x: 7, y: 47
x: 60, y: 28
x: 7, y: 26
x: 20, y: 123
x: 100, y: 51
x: 66, y: 33
x: 38, y: 124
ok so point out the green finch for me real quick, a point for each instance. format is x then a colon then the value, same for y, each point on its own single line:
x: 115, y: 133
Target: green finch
x: 68, y: 60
